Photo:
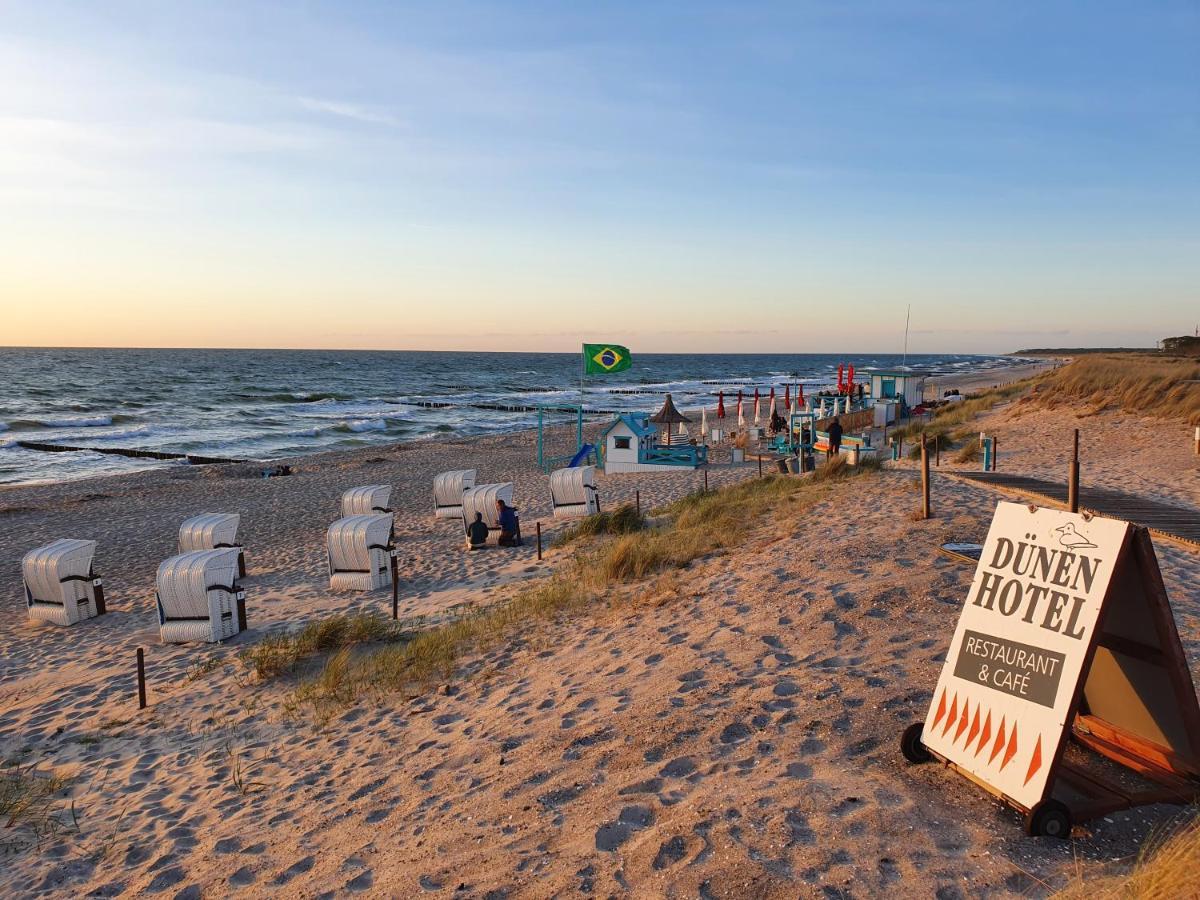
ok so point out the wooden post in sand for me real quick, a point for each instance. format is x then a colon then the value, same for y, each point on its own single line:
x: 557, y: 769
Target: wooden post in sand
x: 539, y: 540
x: 706, y: 481
x: 395, y: 588
x: 637, y: 501
x: 141, y: 677
x: 1073, y: 477
x: 760, y: 465
x: 1198, y: 440
x: 924, y: 478
x: 937, y: 450
x: 995, y: 453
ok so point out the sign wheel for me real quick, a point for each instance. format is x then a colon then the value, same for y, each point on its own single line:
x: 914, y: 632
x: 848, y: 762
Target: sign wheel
x: 1050, y: 818
x: 910, y: 744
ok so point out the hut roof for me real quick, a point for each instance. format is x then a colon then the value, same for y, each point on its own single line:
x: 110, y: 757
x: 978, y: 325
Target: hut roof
x: 669, y: 415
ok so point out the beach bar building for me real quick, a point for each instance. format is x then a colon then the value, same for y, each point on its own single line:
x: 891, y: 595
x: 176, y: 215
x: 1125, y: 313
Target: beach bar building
x: 897, y: 389
x: 636, y: 442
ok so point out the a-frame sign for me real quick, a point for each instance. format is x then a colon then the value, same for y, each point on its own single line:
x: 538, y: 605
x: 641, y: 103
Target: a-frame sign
x: 1067, y: 631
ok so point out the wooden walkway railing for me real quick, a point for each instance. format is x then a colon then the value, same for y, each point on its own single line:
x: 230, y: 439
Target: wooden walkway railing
x: 1163, y: 520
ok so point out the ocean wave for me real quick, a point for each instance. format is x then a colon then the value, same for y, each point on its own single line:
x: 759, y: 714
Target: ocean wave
x: 294, y: 397
x: 66, y: 422
x: 357, y: 426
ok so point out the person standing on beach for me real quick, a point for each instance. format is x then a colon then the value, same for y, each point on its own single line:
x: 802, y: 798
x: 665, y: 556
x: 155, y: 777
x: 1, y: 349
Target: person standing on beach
x: 835, y: 437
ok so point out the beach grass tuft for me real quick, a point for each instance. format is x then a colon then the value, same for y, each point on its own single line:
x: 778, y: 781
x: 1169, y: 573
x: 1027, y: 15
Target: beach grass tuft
x: 625, y: 519
x: 969, y: 452
x: 1165, y: 869
x: 30, y: 808
x: 281, y: 653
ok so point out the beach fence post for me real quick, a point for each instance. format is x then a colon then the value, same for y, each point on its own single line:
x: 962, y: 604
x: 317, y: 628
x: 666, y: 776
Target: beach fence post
x: 395, y: 587
x: 1198, y: 440
x: 924, y: 478
x: 995, y: 452
x: 637, y: 502
x: 1073, y: 477
x: 760, y: 465
x: 706, y: 481
x: 539, y: 540
x: 937, y: 450
x: 141, y: 677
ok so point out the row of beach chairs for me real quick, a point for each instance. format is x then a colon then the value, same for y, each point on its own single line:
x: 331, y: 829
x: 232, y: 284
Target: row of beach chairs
x: 197, y: 592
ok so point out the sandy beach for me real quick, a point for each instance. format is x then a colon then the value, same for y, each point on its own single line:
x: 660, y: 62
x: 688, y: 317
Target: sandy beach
x: 728, y: 731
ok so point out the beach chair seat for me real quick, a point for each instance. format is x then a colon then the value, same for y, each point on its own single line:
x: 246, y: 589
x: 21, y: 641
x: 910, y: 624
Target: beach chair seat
x: 370, y: 498
x: 448, y: 488
x: 360, y: 552
x: 60, y: 586
x: 212, y: 531
x: 482, y: 499
x: 199, y: 598
x: 573, y: 493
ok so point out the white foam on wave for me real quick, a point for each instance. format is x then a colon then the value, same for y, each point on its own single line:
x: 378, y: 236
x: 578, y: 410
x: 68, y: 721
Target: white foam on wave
x: 71, y: 422
x: 361, y: 425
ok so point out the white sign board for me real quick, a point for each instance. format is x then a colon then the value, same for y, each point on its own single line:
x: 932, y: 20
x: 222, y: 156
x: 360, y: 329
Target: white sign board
x: 1000, y: 708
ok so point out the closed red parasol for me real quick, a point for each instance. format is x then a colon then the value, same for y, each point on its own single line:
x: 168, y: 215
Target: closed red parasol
x: 787, y: 395
x: 720, y: 404
x: 771, y: 402
x: 800, y: 394
x: 841, y: 372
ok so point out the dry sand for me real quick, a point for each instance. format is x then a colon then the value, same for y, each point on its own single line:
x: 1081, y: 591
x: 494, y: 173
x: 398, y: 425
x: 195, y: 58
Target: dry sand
x: 731, y: 733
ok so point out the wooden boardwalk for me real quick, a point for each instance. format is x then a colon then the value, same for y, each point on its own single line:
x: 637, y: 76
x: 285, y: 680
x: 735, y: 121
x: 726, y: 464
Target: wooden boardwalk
x: 1163, y: 520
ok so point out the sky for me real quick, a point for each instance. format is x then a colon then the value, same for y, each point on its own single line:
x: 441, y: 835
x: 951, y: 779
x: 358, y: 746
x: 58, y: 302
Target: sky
x: 678, y: 177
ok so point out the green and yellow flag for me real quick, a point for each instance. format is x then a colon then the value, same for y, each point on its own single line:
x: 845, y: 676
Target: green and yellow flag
x: 604, y: 359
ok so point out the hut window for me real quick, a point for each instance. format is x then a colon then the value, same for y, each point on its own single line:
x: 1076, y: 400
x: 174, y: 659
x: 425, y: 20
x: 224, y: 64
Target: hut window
x: 621, y: 443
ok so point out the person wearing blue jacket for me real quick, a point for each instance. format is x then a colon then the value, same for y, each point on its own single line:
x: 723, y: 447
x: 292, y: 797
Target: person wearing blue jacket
x: 510, y: 525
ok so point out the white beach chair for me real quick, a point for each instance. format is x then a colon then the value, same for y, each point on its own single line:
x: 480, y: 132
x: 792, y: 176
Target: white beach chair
x: 213, y: 531
x: 482, y: 499
x: 370, y: 498
x: 572, y: 492
x: 60, y: 586
x: 199, y: 598
x: 448, y: 488
x: 360, y: 552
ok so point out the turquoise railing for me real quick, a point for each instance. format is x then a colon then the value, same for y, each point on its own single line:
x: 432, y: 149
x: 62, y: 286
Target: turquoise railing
x: 681, y: 455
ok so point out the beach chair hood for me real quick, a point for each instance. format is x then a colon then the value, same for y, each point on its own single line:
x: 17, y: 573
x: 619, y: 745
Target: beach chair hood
x: 359, y: 549
x: 448, y: 488
x: 198, y: 596
x: 573, y: 492
x: 482, y: 499
x: 370, y: 498
x: 60, y: 586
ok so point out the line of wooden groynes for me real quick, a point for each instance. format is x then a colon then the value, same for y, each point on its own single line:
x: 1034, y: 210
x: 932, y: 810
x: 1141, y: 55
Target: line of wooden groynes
x: 133, y: 454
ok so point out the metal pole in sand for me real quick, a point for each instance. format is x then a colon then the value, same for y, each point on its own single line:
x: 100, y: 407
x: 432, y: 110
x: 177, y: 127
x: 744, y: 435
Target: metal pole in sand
x: 924, y: 479
x: 539, y: 540
x: 395, y: 588
x: 141, y: 677
x: 1073, y: 477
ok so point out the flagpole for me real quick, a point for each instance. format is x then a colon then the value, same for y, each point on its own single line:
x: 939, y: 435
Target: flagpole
x: 582, y: 372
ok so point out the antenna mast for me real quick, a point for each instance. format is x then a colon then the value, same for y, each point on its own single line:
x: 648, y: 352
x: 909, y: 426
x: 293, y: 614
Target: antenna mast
x: 907, y: 315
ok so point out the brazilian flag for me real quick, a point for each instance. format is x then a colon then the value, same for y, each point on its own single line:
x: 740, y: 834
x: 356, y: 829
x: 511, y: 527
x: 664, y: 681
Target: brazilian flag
x: 604, y: 359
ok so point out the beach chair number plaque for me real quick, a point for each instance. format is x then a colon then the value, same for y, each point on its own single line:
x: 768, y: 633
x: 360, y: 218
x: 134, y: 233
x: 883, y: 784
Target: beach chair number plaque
x: 1066, y: 629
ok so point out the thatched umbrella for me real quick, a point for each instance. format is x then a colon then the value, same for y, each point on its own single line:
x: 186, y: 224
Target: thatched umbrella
x: 668, y: 416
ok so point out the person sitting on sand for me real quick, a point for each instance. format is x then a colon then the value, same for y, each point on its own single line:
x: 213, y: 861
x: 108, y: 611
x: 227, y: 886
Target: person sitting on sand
x: 835, y: 437
x: 477, y: 533
x: 510, y: 525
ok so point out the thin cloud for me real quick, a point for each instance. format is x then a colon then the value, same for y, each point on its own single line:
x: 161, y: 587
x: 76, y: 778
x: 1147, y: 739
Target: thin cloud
x: 353, y: 111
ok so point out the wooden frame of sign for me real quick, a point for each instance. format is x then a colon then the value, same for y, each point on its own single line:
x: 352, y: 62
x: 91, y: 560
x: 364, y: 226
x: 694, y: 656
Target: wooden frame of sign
x: 1067, y: 632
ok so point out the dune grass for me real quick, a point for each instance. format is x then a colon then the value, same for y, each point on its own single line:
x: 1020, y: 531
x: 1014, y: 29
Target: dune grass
x: 281, y: 653
x: 30, y: 808
x: 605, y: 572
x: 1163, y: 387
x: 624, y: 519
x: 1165, y: 870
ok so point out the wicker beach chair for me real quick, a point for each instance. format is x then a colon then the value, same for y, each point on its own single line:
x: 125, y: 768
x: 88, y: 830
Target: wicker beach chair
x: 60, y: 586
x: 482, y: 499
x: 199, y: 598
x: 360, y: 551
x: 573, y: 493
x: 370, y: 498
x: 213, y: 531
x: 448, y: 488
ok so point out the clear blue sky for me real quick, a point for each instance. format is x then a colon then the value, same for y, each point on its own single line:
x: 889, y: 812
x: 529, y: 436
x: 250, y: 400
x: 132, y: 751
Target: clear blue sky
x: 686, y: 176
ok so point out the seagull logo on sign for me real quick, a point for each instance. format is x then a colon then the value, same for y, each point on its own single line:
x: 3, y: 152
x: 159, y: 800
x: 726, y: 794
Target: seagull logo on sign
x: 608, y: 358
x: 1072, y: 539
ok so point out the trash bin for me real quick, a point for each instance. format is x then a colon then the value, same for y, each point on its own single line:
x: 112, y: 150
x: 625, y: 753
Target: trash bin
x: 793, y: 465
x: 782, y: 466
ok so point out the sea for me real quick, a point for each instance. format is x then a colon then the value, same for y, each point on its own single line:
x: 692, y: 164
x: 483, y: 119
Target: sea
x: 272, y: 404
